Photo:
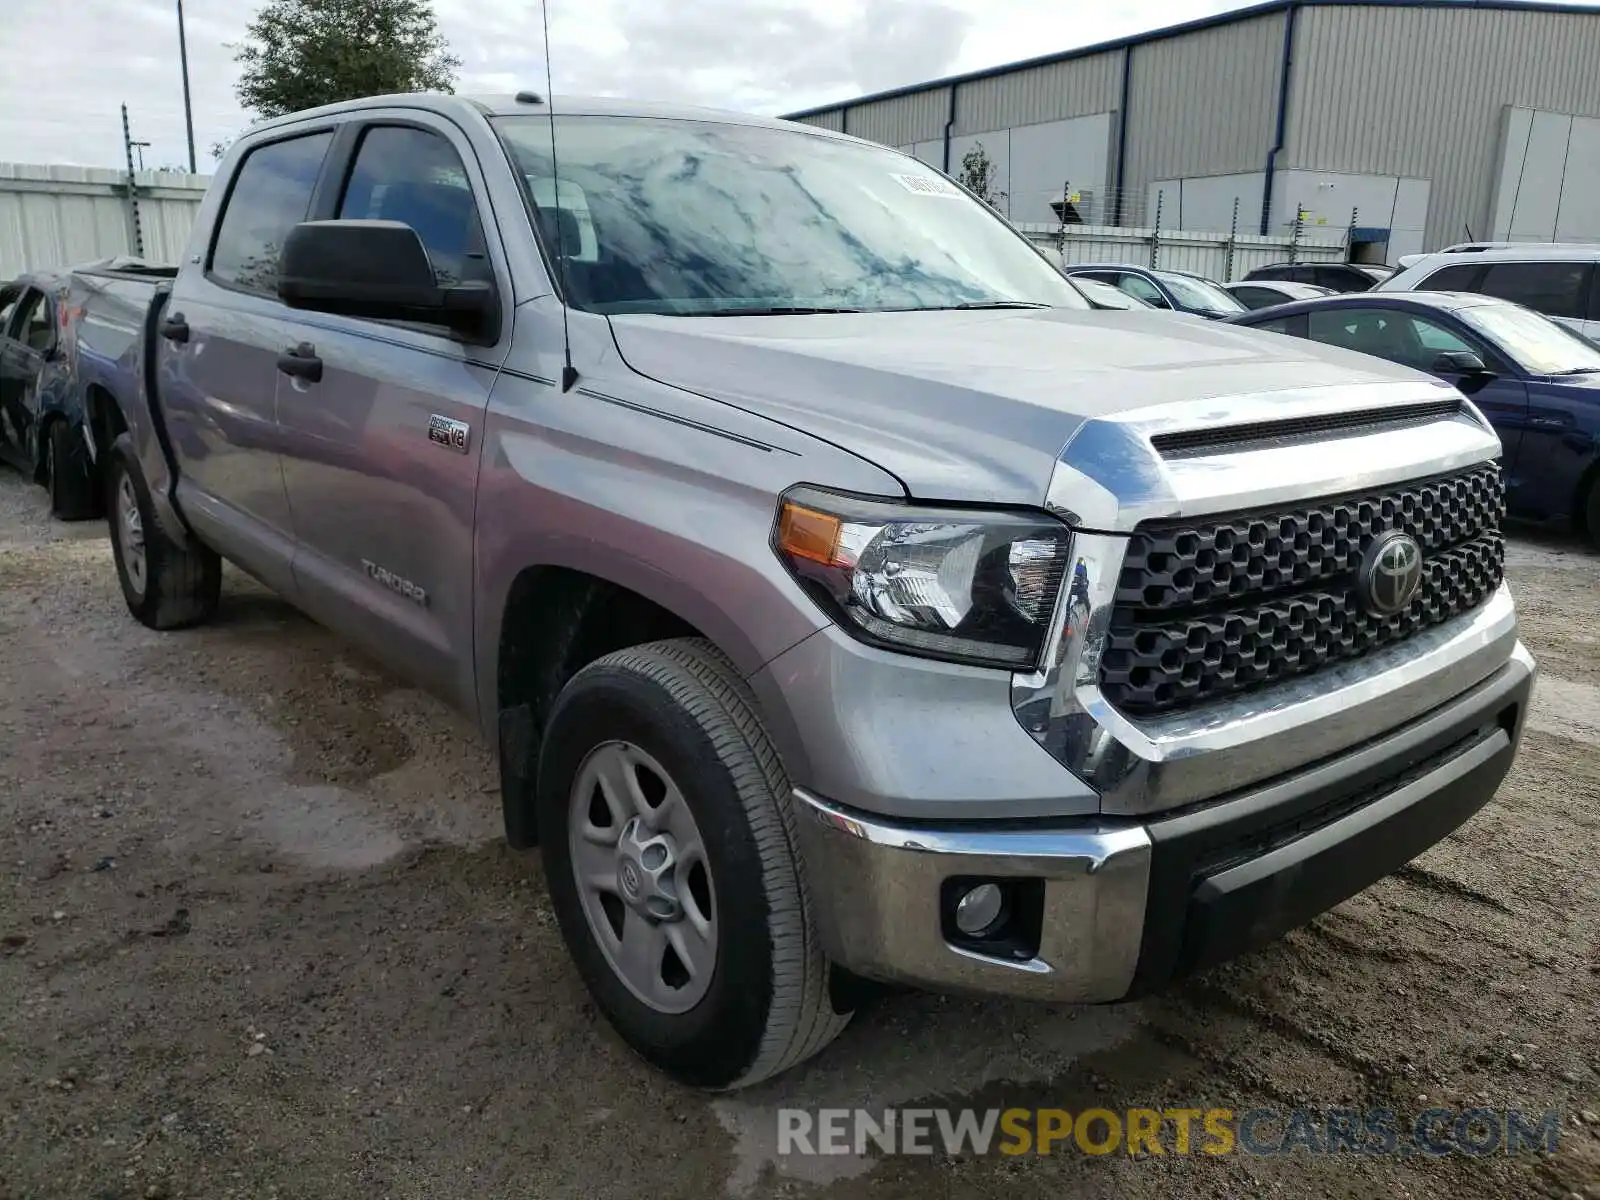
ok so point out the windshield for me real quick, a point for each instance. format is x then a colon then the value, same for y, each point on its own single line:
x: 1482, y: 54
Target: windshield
x: 1535, y: 342
x: 1198, y: 294
x: 699, y: 218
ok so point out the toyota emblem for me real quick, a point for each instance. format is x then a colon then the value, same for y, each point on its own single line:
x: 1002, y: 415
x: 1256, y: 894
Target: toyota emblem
x: 630, y: 880
x: 1390, y: 573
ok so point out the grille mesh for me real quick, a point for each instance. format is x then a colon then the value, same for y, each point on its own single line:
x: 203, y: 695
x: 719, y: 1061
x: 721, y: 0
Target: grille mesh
x: 1209, y: 609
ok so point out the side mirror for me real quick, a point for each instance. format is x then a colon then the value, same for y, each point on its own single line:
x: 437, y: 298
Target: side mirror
x: 380, y: 270
x: 1474, y: 375
x: 1460, y: 362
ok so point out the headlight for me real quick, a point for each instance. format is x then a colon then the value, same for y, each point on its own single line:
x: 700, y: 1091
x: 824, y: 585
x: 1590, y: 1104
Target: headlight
x: 965, y: 585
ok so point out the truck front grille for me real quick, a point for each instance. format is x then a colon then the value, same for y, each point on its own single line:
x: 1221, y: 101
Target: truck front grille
x: 1206, y: 609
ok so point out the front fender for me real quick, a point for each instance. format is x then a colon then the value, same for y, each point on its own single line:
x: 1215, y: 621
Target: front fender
x: 677, y: 514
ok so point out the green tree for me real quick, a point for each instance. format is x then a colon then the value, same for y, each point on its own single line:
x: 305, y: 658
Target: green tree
x: 978, y: 176
x: 301, y: 53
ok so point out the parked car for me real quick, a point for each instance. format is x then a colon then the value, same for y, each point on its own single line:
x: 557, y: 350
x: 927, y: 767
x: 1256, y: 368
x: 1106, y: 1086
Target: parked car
x: 1264, y: 293
x: 1559, y: 281
x: 1536, y: 381
x: 40, y: 412
x: 844, y: 597
x: 1104, y: 295
x: 1176, y: 290
x: 1336, y: 277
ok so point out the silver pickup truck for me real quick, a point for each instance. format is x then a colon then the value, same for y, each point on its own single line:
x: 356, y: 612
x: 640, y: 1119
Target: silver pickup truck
x: 847, y: 600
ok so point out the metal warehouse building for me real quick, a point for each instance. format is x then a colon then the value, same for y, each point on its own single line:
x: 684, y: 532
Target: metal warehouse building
x: 1433, y: 121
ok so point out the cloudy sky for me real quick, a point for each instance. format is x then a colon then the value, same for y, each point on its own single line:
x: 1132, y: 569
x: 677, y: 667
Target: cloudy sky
x: 66, y: 65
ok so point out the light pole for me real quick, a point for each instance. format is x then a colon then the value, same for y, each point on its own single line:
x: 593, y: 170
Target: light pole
x: 188, y: 110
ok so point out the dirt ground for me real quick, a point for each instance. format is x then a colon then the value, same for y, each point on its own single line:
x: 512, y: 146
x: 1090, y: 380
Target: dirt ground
x: 259, y: 938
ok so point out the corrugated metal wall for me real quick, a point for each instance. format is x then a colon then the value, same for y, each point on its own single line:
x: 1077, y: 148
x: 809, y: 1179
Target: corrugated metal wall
x: 61, y: 216
x: 1078, y: 87
x: 832, y: 119
x: 915, y: 117
x: 1203, y: 103
x: 1420, y: 92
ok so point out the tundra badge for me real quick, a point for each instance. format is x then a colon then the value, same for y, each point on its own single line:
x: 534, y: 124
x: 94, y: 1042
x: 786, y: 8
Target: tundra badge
x: 450, y: 433
x: 394, y: 583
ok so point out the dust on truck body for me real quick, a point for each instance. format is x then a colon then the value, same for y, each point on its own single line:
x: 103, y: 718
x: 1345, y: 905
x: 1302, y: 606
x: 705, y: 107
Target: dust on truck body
x: 845, y: 598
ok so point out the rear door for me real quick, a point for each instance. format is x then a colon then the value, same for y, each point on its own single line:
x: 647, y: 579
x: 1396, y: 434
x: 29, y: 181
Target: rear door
x: 222, y: 332
x: 381, y: 450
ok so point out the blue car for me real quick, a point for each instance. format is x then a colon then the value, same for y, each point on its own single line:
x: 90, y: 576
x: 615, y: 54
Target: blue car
x: 1536, y: 381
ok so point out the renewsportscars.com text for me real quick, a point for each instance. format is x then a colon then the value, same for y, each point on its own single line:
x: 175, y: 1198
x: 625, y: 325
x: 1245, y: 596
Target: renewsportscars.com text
x: 1152, y: 1131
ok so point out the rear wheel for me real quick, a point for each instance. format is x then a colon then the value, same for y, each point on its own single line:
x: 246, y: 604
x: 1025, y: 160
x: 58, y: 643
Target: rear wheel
x: 1591, y: 512
x: 68, y: 473
x: 166, y: 585
x: 667, y: 836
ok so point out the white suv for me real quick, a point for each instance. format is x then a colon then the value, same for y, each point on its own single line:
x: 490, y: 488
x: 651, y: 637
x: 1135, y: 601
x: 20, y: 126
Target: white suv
x: 1561, y: 281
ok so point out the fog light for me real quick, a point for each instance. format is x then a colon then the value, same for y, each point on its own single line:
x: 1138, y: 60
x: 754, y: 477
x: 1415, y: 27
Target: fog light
x: 979, y: 909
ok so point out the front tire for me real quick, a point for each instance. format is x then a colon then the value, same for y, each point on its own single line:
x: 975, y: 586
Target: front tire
x: 668, y: 844
x: 166, y: 585
x: 67, y: 473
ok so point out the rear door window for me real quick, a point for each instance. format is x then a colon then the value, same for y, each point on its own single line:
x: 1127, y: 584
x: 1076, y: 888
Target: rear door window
x: 271, y: 194
x: 1557, y: 289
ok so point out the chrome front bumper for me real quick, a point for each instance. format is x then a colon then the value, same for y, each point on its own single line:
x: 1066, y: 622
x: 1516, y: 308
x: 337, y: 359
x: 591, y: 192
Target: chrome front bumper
x: 1130, y: 904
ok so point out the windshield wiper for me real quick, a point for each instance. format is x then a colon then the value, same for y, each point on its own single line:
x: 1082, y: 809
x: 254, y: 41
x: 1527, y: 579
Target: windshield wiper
x: 767, y: 312
x: 986, y: 304
x: 1578, y: 371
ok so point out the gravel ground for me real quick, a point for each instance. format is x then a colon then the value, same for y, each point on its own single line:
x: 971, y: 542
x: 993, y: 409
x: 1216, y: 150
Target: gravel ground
x: 260, y: 938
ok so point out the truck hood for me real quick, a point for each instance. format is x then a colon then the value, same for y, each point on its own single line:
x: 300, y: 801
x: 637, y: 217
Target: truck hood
x: 977, y: 405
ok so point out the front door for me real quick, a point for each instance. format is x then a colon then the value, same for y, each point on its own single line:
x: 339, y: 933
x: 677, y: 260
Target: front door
x: 381, y: 437
x: 25, y: 338
x: 1417, y: 341
x: 221, y: 334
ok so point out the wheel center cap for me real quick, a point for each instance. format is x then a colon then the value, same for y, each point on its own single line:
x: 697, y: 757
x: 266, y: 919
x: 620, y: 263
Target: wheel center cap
x: 628, y: 877
x: 646, y: 863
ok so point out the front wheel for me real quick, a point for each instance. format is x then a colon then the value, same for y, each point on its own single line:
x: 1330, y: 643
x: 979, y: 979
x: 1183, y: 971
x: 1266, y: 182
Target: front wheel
x: 667, y: 836
x: 166, y: 585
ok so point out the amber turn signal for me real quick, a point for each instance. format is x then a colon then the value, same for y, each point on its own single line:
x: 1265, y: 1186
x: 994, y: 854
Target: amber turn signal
x: 809, y: 534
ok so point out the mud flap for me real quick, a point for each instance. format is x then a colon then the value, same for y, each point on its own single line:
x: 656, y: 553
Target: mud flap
x: 517, y: 745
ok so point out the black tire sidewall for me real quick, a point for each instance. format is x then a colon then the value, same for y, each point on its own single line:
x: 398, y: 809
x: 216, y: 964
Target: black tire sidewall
x: 715, y: 1042
x: 123, y: 463
x: 66, y: 474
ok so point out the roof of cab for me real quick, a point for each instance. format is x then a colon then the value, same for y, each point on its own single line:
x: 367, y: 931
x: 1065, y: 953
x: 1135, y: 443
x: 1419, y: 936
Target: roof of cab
x: 507, y: 104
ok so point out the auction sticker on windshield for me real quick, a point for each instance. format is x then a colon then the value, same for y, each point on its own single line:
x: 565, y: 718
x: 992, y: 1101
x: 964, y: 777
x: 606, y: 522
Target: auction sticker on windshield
x: 927, y: 185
